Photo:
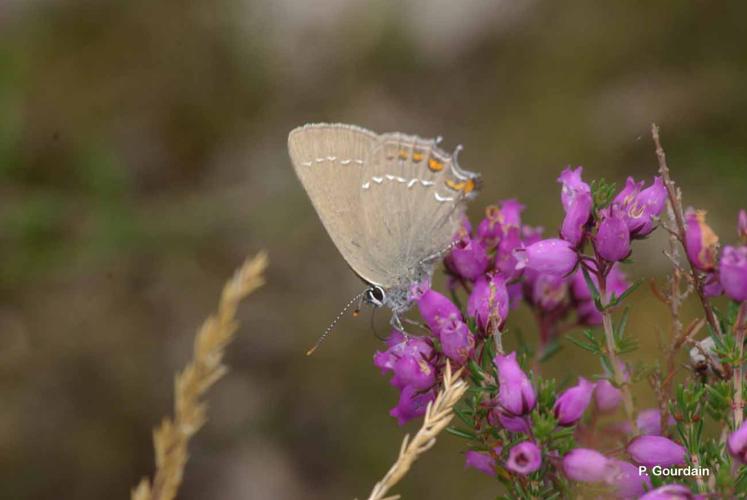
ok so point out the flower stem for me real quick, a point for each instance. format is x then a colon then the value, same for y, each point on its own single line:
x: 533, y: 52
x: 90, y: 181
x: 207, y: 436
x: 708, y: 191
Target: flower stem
x: 543, y: 339
x: 695, y: 461
x: 617, y: 373
x: 739, y: 330
x: 675, y: 202
x: 498, y: 339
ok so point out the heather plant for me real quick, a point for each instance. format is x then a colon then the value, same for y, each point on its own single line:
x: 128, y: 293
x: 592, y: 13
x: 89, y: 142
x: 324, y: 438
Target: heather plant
x: 541, y: 437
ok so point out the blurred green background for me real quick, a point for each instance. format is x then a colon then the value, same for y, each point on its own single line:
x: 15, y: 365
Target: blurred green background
x: 143, y: 155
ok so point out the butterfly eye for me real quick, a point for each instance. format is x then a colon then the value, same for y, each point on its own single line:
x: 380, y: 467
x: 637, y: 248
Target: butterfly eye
x: 375, y: 295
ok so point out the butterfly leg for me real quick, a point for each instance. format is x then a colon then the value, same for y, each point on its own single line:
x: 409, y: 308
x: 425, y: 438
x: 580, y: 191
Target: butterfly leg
x: 396, y: 323
x: 373, y: 326
x: 418, y: 324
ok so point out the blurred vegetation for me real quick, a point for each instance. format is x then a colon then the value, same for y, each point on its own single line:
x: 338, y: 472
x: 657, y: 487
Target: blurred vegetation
x: 142, y: 156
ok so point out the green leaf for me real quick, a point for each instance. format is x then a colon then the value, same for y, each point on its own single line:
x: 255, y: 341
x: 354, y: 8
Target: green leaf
x: 591, y: 343
x: 550, y: 350
x: 625, y: 346
x: 461, y: 433
x: 632, y: 288
x: 620, y: 330
x: 606, y: 363
x: 584, y: 345
x: 593, y: 289
x: 469, y: 422
x: 479, y: 389
x: 543, y: 425
x: 476, y: 371
x: 732, y: 312
x: 602, y: 193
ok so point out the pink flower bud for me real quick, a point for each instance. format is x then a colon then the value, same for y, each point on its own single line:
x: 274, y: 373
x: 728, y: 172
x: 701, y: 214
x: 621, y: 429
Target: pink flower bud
x: 649, y: 421
x: 411, y: 404
x: 577, y: 202
x: 670, y: 492
x: 479, y: 460
x: 656, y: 450
x: 606, y: 396
x: 552, y: 256
x: 518, y: 424
x: 457, y: 341
x: 573, y: 186
x: 506, y: 262
x: 490, y: 230
x: 612, y: 241
x: 511, y: 210
x: 733, y: 272
x: 711, y: 285
x: 737, y: 443
x: 651, y: 202
x: 469, y: 258
x: 498, y: 222
x: 548, y: 291
x: 625, y: 479
x: 573, y: 227
x: 572, y: 403
x: 414, y: 371
x: 585, y: 465
x: 628, y: 194
x: 640, y: 206
x: 742, y: 226
x: 401, y: 346
x: 436, y: 309
x: 489, y: 302
x: 516, y: 394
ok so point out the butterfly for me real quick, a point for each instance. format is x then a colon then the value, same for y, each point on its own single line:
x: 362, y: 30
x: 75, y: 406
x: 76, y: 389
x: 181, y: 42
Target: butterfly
x: 391, y: 203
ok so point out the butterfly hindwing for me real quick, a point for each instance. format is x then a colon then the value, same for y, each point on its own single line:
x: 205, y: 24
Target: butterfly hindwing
x: 414, y: 195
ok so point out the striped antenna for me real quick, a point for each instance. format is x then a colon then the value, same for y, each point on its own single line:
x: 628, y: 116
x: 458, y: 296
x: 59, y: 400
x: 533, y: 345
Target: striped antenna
x: 334, y: 322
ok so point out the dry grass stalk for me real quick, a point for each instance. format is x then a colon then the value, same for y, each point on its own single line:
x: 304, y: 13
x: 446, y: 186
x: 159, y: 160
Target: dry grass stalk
x: 190, y: 411
x: 437, y: 416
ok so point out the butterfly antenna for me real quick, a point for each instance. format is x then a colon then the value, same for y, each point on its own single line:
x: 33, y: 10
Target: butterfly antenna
x: 334, y: 322
x: 357, y: 309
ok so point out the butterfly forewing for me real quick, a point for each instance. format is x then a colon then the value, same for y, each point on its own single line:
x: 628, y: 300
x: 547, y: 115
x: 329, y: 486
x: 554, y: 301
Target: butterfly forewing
x: 330, y: 161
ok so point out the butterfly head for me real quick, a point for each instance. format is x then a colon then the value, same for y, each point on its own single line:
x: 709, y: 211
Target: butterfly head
x: 376, y: 296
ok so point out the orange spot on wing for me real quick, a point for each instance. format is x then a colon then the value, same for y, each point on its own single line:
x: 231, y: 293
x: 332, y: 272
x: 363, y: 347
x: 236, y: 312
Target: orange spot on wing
x: 435, y: 165
x: 465, y: 186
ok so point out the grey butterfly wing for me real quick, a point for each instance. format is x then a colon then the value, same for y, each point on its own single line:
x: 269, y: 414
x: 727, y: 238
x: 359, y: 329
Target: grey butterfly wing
x: 330, y: 161
x: 412, y: 201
